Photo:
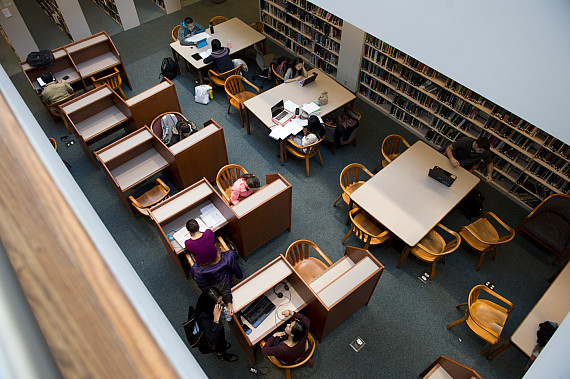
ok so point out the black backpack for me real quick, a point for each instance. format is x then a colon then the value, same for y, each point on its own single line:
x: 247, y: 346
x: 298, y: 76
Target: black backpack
x: 40, y: 58
x: 472, y: 205
x: 168, y: 68
x: 194, y: 335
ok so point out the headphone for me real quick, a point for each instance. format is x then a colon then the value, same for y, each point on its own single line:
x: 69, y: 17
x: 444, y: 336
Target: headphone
x: 280, y: 294
x: 171, y: 238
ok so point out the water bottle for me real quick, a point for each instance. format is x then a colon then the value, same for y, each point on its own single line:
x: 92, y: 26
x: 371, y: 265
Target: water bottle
x: 229, y: 44
x: 211, y: 28
x: 226, y: 314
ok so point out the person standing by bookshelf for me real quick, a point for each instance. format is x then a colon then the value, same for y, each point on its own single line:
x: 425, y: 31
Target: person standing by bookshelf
x: 187, y: 29
x: 295, y: 72
x: 467, y: 152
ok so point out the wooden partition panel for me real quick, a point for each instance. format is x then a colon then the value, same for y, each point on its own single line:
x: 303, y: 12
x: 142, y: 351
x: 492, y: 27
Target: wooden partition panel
x: 155, y: 101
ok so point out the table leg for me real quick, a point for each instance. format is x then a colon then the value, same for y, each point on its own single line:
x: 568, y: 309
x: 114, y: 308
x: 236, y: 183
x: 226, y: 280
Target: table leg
x: 200, y: 78
x: 247, y: 120
x: 502, y: 348
x: 350, y: 204
x: 175, y: 57
x: 282, y: 151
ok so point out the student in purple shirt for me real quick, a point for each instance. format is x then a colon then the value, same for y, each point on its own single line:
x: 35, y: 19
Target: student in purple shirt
x: 289, y: 346
x: 201, y: 245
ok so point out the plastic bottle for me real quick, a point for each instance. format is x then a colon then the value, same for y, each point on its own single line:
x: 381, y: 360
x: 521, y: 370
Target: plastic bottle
x: 229, y: 44
x: 211, y: 28
x: 226, y: 314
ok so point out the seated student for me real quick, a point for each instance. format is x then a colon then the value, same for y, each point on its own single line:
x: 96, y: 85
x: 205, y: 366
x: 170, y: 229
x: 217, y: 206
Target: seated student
x: 208, y: 313
x: 243, y: 187
x: 219, y: 271
x: 220, y: 56
x: 54, y: 91
x: 312, y: 132
x: 201, y: 245
x: 187, y: 29
x: 289, y: 346
x: 466, y: 152
x: 295, y: 71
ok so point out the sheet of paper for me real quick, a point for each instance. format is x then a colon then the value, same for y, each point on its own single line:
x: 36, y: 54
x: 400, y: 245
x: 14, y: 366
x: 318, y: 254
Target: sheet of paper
x: 197, y: 37
x: 205, y: 54
x: 290, y: 106
x: 311, y: 107
x: 212, y: 217
x: 294, y: 127
x: 280, y: 132
x: 181, y: 236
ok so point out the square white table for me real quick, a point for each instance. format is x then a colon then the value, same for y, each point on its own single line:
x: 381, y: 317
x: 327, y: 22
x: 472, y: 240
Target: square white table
x: 404, y: 199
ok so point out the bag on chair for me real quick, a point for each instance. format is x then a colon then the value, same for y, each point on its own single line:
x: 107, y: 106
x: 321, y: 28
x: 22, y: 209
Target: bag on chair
x: 168, y: 122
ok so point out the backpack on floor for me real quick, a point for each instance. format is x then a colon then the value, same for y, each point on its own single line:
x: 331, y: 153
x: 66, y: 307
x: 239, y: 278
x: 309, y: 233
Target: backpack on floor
x: 168, y: 68
x: 472, y: 205
x: 40, y: 58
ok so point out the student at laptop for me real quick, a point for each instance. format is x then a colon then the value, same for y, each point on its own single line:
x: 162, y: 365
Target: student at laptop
x: 208, y: 316
x: 187, y: 29
x: 54, y: 91
x: 220, y: 56
x: 246, y: 185
x: 289, y: 346
x: 466, y: 152
x: 312, y: 132
x: 295, y: 72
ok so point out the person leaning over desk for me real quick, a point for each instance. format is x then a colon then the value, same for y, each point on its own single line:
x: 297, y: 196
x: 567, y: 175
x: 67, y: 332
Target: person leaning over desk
x: 187, y: 29
x: 295, y: 72
x: 289, y: 346
x: 246, y: 185
x: 466, y: 152
x: 311, y: 133
x: 54, y: 91
x: 201, y: 245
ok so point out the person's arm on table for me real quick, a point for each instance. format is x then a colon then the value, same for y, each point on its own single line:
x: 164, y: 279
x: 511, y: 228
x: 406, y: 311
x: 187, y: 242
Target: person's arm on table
x: 490, y: 168
x: 449, y: 152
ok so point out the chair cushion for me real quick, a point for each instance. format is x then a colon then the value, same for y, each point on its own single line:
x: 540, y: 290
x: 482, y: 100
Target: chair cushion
x: 483, y: 229
x: 551, y: 229
x: 491, y: 315
x: 242, y: 97
x: 310, y: 268
x: 350, y: 189
x: 433, y: 242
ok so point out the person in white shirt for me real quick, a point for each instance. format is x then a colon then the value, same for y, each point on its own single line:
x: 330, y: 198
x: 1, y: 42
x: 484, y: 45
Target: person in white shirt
x: 312, y: 132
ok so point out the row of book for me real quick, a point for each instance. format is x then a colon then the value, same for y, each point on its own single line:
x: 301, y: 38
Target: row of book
x: 419, y: 66
x: 323, y: 64
x: 449, y: 114
x: 110, y: 8
x: 525, y: 196
x: 535, y: 187
x: 325, y: 41
x: 52, y: 10
x: 374, y: 84
x: 375, y: 70
x: 327, y: 55
x: 557, y: 146
x: 553, y: 160
x: 299, y: 38
x: 464, y: 91
x: 448, y: 131
x: 551, y: 177
x: 310, y: 7
x: 457, y: 103
x: 512, y: 135
x: 160, y: 3
x: 371, y: 95
x: 408, y: 105
x: 436, y: 138
x: 415, y: 94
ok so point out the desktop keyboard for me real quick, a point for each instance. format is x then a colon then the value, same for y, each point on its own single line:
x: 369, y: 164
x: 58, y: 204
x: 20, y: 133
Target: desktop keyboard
x: 258, y: 311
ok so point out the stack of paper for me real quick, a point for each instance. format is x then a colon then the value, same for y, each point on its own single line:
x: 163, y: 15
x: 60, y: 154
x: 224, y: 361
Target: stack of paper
x: 210, y: 218
x: 197, y: 37
x: 311, y: 108
x: 293, y: 127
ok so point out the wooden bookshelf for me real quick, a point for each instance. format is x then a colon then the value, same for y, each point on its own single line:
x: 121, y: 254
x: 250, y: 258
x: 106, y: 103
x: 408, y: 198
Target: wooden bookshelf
x: 304, y: 29
x: 51, y: 9
x: 529, y: 163
x: 160, y: 4
x: 109, y: 7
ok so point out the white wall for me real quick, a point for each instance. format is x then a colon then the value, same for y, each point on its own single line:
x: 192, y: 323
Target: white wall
x: 74, y: 19
x: 516, y: 53
x: 349, y: 57
x: 16, y: 30
x: 127, y: 13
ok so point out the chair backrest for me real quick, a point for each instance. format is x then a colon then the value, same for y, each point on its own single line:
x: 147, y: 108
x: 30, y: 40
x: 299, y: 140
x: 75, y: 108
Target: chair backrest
x: 234, y: 84
x: 448, y: 247
x: 258, y: 26
x: 150, y: 197
x: 313, y: 148
x: 278, y: 78
x: 259, y: 59
x: 227, y: 176
x: 365, y: 228
x: 351, y: 174
x: 220, y: 79
x: 556, y: 203
x: 113, y: 80
x: 175, y: 33
x: 54, y: 108
x: 311, y: 345
x: 156, y: 125
x: 393, y: 144
x: 218, y: 20
x: 299, y: 251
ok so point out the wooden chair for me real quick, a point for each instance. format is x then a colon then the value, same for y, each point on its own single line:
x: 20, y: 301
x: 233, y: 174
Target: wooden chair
x: 278, y: 78
x: 220, y: 79
x: 113, y: 80
x: 549, y: 224
x: 156, y: 124
x: 485, y: 317
x: 307, y: 267
x: 432, y: 248
x: 175, y: 33
x: 330, y: 130
x: 367, y: 229
x: 237, y: 95
x: 150, y: 197
x: 482, y: 236
x: 54, y: 144
x: 310, y: 350
x: 309, y: 152
x: 218, y: 20
x: 55, y: 110
x: 391, y: 149
x: 226, y: 178
x: 258, y: 26
x: 350, y: 181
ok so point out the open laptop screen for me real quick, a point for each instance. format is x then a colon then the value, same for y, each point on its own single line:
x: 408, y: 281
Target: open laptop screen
x: 277, y: 108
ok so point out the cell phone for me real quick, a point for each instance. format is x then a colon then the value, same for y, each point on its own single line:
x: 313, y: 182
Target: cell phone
x: 65, y: 77
x: 196, y: 56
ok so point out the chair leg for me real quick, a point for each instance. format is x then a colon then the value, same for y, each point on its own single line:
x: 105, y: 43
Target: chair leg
x: 460, y: 305
x: 367, y: 244
x: 433, y: 270
x: 403, y: 257
x: 481, y: 261
x: 354, y: 142
x: 495, y: 255
x: 241, y: 117
x: 311, y: 362
x: 345, y: 237
x: 378, y: 165
x: 66, y: 125
x: 320, y: 157
x: 333, y: 147
x: 456, y: 322
x: 67, y: 163
x: 307, y: 166
x: 337, y: 199
x: 120, y: 88
x: 288, y: 373
x: 229, y: 106
x: 485, y: 350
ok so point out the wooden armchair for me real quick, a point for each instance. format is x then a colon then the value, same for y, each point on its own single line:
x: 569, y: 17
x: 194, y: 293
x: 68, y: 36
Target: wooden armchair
x: 218, y: 20
x: 482, y: 236
x: 485, y: 317
x: 150, y: 197
x: 342, y: 140
x: 156, y: 124
x: 391, y: 149
x: 55, y: 110
x: 113, y: 80
x: 307, y: 267
x: 304, y: 152
x: 220, y: 79
x: 310, y: 350
x: 278, y: 77
x: 432, y: 248
x: 237, y: 95
x: 226, y: 178
x: 175, y: 33
x: 549, y: 224
x: 367, y: 229
x: 350, y: 181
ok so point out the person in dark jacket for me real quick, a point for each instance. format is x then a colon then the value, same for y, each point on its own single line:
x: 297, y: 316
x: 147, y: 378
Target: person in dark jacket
x: 220, y: 56
x: 289, y: 346
x: 208, y: 316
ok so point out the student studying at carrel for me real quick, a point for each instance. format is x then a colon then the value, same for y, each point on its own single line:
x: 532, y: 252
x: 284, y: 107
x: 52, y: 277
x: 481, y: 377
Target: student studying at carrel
x: 54, y: 91
x: 466, y: 152
x: 201, y: 245
x: 289, y: 346
x: 187, y: 29
x: 243, y: 187
x: 220, y: 56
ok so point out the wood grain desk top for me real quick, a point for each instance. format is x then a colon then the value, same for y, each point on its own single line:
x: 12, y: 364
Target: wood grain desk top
x: 97, y: 64
x: 406, y: 200
x: 100, y: 123
x: 261, y: 104
x: 259, y: 197
x: 239, y: 33
x: 114, y: 150
x: 86, y: 99
x: 554, y: 305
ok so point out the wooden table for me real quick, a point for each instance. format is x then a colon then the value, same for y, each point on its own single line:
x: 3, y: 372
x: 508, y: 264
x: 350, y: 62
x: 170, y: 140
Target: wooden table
x: 406, y: 200
x: 235, y: 30
x: 554, y: 305
x: 261, y: 104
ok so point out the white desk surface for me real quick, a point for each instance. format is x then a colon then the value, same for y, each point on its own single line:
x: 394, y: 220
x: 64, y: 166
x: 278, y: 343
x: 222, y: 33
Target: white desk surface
x: 100, y: 122
x: 99, y: 63
x: 88, y: 42
x: 181, y: 200
x: 87, y: 99
x: 257, y: 198
x: 134, y: 139
x: 554, y: 305
x: 239, y: 33
x: 406, y: 200
x: 331, y: 274
x: 261, y: 104
x: 138, y: 169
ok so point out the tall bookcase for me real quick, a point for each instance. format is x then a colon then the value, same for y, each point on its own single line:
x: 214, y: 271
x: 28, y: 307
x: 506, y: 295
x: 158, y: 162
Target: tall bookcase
x: 529, y: 163
x: 305, y: 29
x: 51, y: 9
x: 109, y: 7
x: 159, y: 3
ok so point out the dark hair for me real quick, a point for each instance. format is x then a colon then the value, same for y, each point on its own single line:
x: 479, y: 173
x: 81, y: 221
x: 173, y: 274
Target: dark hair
x: 314, y: 125
x: 483, y: 143
x: 188, y: 21
x: 251, y: 180
x: 292, y: 65
x: 216, y: 44
x: 46, y: 76
x: 192, y: 226
x: 298, y: 330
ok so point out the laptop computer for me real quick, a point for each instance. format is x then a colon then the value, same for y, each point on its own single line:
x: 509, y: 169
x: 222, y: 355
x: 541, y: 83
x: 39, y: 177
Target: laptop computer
x: 279, y: 114
x: 310, y: 79
x: 42, y: 83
